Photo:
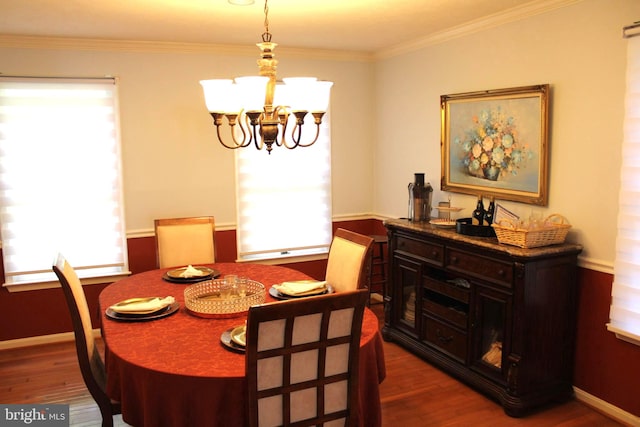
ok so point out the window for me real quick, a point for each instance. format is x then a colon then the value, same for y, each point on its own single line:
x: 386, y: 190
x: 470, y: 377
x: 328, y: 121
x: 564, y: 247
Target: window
x: 60, y: 178
x: 284, y: 199
x: 625, y: 295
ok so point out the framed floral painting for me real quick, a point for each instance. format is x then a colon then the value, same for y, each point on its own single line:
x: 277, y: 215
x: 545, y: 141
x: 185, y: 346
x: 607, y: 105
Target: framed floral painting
x: 495, y: 143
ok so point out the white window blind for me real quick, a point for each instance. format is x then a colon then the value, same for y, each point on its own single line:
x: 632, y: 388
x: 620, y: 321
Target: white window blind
x: 60, y: 178
x: 284, y: 199
x: 625, y: 296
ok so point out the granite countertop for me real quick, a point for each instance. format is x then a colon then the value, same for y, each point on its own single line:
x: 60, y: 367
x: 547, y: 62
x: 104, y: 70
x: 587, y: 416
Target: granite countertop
x: 486, y: 242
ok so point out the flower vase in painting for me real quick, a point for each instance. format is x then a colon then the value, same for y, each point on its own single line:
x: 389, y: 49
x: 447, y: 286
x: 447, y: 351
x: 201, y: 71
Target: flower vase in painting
x: 491, y: 148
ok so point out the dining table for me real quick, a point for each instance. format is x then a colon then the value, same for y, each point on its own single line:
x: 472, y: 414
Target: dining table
x: 175, y: 370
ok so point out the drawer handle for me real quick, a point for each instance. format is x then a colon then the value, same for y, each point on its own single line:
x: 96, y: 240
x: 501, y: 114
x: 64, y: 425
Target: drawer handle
x: 434, y: 254
x: 501, y: 272
x: 454, y: 260
x: 443, y: 338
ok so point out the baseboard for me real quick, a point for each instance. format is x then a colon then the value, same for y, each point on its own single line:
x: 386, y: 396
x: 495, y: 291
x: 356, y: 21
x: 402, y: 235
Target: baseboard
x: 606, y: 408
x: 41, y: 339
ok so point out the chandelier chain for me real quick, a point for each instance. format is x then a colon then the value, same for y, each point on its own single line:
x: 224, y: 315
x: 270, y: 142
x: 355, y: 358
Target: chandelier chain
x: 266, y: 36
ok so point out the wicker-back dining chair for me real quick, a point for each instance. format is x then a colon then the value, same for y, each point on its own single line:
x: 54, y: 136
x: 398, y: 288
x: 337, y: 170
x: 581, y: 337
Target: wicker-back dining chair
x: 302, y: 360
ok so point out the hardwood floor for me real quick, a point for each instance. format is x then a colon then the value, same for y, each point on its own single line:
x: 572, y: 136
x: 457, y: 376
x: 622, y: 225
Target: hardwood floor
x: 413, y: 394
x: 417, y: 394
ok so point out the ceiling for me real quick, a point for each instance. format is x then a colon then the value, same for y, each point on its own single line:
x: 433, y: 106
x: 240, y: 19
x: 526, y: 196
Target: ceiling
x: 352, y: 25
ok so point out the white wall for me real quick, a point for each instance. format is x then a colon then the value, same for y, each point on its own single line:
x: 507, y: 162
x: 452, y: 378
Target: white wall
x: 579, y: 51
x: 386, y: 117
x: 173, y: 164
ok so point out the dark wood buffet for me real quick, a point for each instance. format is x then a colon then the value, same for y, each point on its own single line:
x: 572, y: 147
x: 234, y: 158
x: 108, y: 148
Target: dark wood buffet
x: 498, y: 317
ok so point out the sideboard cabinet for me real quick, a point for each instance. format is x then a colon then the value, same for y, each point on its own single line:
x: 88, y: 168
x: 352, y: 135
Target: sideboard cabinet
x: 499, y: 318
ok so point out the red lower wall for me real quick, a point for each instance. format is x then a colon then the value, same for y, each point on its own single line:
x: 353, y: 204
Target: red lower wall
x: 605, y: 367
x: 44, y: 312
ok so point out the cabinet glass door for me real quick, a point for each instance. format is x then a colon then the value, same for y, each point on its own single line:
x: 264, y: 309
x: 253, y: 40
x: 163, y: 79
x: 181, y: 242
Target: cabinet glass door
x: 490, y: 330
x: 407, y: 304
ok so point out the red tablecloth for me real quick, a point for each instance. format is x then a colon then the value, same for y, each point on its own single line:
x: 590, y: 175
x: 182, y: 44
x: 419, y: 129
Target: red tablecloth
x: 174, y: 371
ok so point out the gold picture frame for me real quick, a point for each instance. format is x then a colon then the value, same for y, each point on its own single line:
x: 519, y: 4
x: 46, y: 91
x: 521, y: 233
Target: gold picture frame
x: 495, y: 143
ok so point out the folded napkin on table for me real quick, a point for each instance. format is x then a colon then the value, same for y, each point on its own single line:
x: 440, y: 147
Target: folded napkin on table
x: 190, y: 271
x: 142, y: 305
x: 301, y: 287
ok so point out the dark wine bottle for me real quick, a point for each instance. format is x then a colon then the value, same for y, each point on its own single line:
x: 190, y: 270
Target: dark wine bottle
x: 477, y: 218
x: 491, y: 210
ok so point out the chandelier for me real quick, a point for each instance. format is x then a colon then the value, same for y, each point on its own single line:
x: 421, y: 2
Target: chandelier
x: 257, y: 113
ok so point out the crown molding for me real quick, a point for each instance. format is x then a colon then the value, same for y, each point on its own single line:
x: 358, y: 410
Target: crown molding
x: 527, y: 10
x: 136, y: 46
x: 510, y: 15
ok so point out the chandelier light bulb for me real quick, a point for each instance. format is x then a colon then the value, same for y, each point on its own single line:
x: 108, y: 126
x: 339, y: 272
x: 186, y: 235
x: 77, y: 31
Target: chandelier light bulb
x: 250, y: 91
x: 218, y: 95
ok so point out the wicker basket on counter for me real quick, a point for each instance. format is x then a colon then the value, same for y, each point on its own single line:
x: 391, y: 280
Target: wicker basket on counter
x: 553, y: 231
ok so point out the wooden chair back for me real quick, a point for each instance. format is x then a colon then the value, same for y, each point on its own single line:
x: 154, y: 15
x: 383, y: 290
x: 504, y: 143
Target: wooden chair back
x: 302, y: 360
x: 184, y: 241
x: 349, y: 261
x: 89, y: 359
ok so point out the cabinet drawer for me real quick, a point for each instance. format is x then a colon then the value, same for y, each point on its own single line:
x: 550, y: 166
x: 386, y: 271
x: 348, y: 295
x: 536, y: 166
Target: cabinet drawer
x: 452, y: 291
x: 446, y: 338
x: 484, y: 268
x: 452, y: 314
x: 429, y: 251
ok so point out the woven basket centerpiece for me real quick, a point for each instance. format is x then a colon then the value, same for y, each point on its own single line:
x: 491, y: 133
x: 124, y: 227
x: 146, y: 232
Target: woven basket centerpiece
x: 212, y: 298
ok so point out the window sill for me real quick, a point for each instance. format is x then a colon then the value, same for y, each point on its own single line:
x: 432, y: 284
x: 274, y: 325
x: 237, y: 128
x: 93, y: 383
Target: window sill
x: 286, y: 260
x: 21, y: 287
x: 624, y: 335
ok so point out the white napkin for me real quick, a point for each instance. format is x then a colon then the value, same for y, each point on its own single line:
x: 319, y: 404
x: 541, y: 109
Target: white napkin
x: 301, y: 287
x: 142, y: 305
x: 191, y: 271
